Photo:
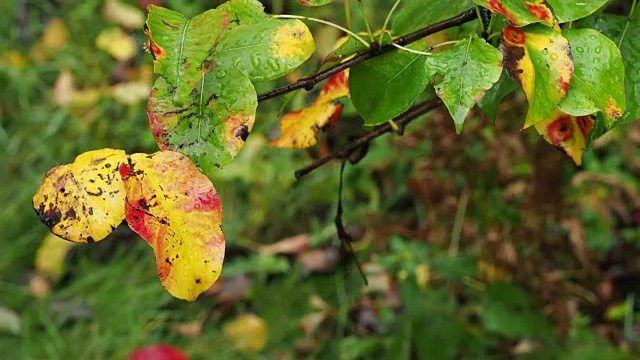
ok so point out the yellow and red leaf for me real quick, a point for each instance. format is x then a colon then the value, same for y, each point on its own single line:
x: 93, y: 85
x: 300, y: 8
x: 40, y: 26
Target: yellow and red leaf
x: 568, y: 133
x: 176, y: 209
x: 298, y: 129
x: 83, y: 201
x: 539, y: 59
x: 521, y: 13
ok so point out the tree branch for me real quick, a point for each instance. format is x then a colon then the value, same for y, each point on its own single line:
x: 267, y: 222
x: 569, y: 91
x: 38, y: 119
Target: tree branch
x: 401, y: 120
x: 309, y: 82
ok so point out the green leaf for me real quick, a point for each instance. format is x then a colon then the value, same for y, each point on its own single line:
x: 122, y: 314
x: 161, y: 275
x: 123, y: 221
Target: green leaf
x: 244, y: 12
x: 520, y: 13
x: 566, y: 11
x: 267, y: 50
x: 490, y: 101
x: 598, y: 77
x: 469, y: 69
x: 387, y: 85
x: 212, y: 127
x: 181, y: 47
x: 539, y: 59
x: 413, y: 16
x: 612, y: 26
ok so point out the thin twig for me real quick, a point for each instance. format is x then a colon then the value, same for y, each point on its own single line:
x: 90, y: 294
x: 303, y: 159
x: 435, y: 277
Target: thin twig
x: 401, y: 120
x: 309, y: 82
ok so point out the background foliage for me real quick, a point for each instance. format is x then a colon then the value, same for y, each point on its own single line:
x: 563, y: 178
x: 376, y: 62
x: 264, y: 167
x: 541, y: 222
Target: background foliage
x: 488, y: 244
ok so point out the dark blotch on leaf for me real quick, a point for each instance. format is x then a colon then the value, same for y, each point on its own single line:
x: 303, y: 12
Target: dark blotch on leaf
x: 242, y: 132
x: 49, y: 217
x: 71, y: 214
x: 198, y: 281
x: 90, y: 239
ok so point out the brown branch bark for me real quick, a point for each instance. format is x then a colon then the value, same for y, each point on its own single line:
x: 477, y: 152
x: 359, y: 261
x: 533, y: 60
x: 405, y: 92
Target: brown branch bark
x: 309, y: 82
x: 401, y: 120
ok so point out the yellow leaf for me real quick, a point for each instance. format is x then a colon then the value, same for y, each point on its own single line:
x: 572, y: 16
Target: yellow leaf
x: 13, y: 58
x: 53, y: 39
x: 83, y: 201
x: 123, y: 14
x: 293, y: 39
x: 568, y: 133
x: 298, y: 129
x: 117, y: 43
x: 176, y: 209
x: 51, y: 254
x: 247, y: 332
x: 131, y: 93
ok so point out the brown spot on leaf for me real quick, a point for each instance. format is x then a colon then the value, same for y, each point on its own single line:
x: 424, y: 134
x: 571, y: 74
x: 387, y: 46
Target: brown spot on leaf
x: 560, y: 130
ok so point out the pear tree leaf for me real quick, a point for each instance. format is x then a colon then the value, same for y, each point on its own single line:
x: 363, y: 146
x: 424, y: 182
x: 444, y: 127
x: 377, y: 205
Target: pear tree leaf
x: 598, y: 78
x: 519, y: 12
x: 298, y: 129
x: 412, y: 15
x: 539, y: 59
x: 214, y: 124
x: 267, y: 50
x: 83, y: 201
x: 566, y: 11
x: 490, y: 101
x: 469, y: 69
x: 387, y: 85
x: 568, y: 133
x: 176, y: 209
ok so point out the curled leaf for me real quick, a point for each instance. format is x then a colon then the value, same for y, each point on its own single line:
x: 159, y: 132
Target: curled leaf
x: 298, y: 129
x: 538, y: 58
x: 176, y: 209
x: 568, y: 133
x: 83, y: 201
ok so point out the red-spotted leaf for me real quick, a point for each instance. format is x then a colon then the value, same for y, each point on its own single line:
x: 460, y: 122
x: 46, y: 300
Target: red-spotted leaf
x: 469, y: 69
x: 267, y: 50
x: 519, y: 12
x: 181, y: 47
x: 566, y: 11
x: 538, y: 58
x: 176, y: 209
x: 568, y: 133
x: 213, y: 125
x: 598, y: 78
x: 298, y: 129
x: 83, y: 201
x: 314, y: 2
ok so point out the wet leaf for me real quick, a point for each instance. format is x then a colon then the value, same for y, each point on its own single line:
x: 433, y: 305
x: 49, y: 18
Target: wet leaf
x: 177, y: 211
x: 51, y: 254
x: 538, y: 58
x: 213, y: 125
x: 129, y: 16
x: 412, y: 15
x: 247, y: 332
x: 519, y: 12
x: 598, y: 78
x: 612, y: 26
x: 267, y: 50
x: 490, y: 101
x: 387, y: 85
x: 299, y: 129
x: 181, y: 47
x: 117, y: 43
x: 469, y: 69
x: 83, y: 201
x: 568, y: 133
x: 314, y: 2
x: 566, y: 11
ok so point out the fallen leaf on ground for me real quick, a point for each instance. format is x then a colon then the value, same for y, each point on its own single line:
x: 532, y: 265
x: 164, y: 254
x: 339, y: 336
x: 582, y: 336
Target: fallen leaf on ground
x: 289, y: 246
x: 247, y: 332
x: 123, y: 14
x: 117, y: 43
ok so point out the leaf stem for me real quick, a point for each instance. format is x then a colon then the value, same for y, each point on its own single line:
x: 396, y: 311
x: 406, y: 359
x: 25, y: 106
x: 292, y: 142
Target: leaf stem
x: 351, y: 33
x: 347, y: 13
x: 480, y: 21
x: 410, y: 50
x: 452, y: 42
x: 386, y: 21
x: 366, y: 21
x: 626, y: 26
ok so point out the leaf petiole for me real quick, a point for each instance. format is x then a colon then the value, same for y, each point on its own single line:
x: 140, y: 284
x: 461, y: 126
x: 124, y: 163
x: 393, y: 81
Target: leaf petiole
x: 386, y: 21
x: 351, y: 33
x: 410, y: 50
x: 366, y: 21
